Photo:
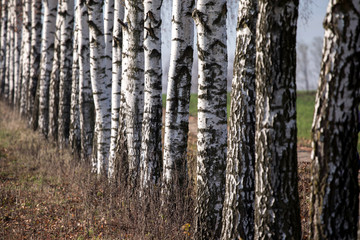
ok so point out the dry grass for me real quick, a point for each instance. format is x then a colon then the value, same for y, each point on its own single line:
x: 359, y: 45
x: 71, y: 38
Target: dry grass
x: 47, y: 194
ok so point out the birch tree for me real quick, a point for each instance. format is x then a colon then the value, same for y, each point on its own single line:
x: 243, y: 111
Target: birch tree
x: 66, y: 51
x: 9, y: 80
x: 277, y: 211
x: 132, y: 87
x: 101, y: 86
x: 210, y: 20
x: 116, y: 83
x: 74, y: 134
x: 108, y: 32
x: 151, y: 149
x: 55, y: 77
x: 238, y: 213
x: 17, y: 44
x: 178, y: 98
x: 4, y: 19
x: 86, y: 102
x: 25, y: 54
x: 35, y: 55
x: 47, y: 55
x: 335, y: 192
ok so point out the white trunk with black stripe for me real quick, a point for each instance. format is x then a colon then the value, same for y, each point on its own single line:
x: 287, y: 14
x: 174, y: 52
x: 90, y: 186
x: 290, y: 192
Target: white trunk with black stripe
x: 210, y: 20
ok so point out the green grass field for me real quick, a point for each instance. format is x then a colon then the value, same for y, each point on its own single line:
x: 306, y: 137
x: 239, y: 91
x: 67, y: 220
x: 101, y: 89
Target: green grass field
x: 305, y: 104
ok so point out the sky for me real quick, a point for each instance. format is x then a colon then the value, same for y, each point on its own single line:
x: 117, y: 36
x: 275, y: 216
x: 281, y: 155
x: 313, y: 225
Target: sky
x: 312, y: 27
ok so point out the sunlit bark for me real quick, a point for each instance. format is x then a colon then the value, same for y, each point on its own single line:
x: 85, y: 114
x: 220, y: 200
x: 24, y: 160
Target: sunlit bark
x: 238, y: 213
x: 210, y: 20
x: 335, y: 191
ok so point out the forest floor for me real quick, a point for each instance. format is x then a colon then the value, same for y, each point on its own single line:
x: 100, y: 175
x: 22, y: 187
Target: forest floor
x: 46, y: 194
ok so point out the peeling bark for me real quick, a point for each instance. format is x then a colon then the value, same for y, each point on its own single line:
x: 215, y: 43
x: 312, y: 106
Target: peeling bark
x: 210, y: 20
x: 334, y: 192
x: 238, y: 213
x: 277, y: 210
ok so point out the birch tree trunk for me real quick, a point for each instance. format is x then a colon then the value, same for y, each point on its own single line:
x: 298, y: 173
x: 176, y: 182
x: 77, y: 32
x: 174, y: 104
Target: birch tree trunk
x: 210, y: 20
x: 178, y: 98
x: 35, y: 55
x: 116, y: 83
x: 132, y: 87
x: 277, y: 211
x: 17, y: 76
x: 4, y: 19
x: 26, y: 47
x: 101, y: 86
x: 86, y: 102
x: 47, y: 56
x: 10, y: 69
x: 238, y: 213
x: 151, y: 149
x: 66, y: 51
x: 74, y: 135
x: 55, y: 77
x: 335, y: 192
x: 108, y: 35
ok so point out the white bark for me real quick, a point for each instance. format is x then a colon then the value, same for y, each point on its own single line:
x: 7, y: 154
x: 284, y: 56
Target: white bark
x: 178, y: 96
x: 10, y: 71
x: 108, y: 32
x: 151, y: 149
x: 17, y: 49
x: 116, y: 82
x: 132, y: 87
x: 86, y: 101
x: 210, y: 20
x: 74, y: 135
x: 47, y: 55
x: 238, y: 213
x: 55, y: 77
x: 36, y: 27
x: 101, y: 86
x: 4, y: 19
x: 66, y: 51
x: 334, y: 170
x: 26, y: 47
